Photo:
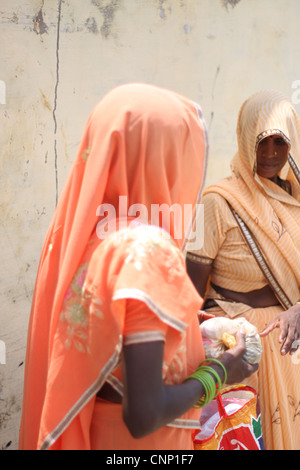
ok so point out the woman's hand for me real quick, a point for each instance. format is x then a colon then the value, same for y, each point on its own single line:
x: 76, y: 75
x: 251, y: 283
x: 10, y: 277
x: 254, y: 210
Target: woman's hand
x: 289, y: 324
x: 237, y: 368
x: 203, y: 316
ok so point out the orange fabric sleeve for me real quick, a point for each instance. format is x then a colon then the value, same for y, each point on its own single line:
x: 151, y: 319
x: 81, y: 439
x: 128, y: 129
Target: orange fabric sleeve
x: 141, y: 323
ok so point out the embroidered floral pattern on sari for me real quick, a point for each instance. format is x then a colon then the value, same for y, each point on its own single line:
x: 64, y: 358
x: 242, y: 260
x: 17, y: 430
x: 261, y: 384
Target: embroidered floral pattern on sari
x: 294, y: 410
x: 277, y: 226
x: 83, y: 299
x: 173, y: 372
x: 77, y: 308
x: 147, y: 242
x: 152, y: 242
x: 85, y: 154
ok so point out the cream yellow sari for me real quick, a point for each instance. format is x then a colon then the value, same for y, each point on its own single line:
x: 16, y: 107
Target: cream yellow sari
x: 273, y: 218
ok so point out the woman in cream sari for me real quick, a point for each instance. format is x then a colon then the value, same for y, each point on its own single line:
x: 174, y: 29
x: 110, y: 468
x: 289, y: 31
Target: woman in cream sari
x: 251, y: 254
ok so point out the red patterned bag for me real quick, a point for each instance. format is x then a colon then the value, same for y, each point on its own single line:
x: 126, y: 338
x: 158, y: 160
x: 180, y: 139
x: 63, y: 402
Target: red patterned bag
x: 231, y: 421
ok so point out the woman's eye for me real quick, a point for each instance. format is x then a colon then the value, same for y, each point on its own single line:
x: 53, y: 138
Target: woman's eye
x: 280, y: 142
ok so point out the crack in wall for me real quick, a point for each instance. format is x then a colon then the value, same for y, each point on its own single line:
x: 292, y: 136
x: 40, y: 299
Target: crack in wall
x: 213, y: 98
x: 55, y: 99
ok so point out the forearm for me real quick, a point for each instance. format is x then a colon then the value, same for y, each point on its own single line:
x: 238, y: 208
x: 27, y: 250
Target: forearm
x: 173, y: 401
x: 178, y: 399
x: 149, y: 412
x: 148, y: 404
x: 188, y: 394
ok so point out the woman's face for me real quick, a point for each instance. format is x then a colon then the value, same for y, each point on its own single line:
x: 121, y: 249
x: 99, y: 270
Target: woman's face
x: 271, y: 155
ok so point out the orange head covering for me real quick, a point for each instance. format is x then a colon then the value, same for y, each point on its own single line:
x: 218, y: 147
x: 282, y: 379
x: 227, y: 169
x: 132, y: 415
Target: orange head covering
x: 141, y: 142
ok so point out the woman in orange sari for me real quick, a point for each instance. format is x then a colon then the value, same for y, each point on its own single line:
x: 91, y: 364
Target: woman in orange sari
x: 114, y: 333
x: 251, y: 254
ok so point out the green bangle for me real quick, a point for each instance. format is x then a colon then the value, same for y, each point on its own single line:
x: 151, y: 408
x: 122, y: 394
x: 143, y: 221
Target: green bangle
x: 209, y: 385
x: 210, y: 381
x: 218, y: 383
x: 220, y: 364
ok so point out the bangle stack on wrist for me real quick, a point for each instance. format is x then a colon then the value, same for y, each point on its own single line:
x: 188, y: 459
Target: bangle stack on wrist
x: 210, y: 380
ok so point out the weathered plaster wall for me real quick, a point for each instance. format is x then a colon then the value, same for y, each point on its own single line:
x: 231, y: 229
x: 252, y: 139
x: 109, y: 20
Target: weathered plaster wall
x: 58, y: 57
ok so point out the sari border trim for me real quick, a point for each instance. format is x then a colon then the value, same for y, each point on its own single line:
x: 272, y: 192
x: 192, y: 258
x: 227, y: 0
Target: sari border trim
x: 144, y: 337
x: 83, y: 400
x: 268, y: 132
x: 294, y: 167
x: 132, y: 293
x: 184, y: 423
x: 262, y: 263
x: 116, y: 384
x: 195, y: 258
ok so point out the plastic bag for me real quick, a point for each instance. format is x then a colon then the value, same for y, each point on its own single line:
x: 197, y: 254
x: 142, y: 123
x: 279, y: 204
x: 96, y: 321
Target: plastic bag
x: 219, y: 334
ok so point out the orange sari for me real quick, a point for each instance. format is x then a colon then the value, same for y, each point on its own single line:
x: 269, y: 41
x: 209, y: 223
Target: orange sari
x: 145, y: 144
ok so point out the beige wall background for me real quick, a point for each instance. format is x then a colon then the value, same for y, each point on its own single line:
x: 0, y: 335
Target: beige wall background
x: 58, y: 57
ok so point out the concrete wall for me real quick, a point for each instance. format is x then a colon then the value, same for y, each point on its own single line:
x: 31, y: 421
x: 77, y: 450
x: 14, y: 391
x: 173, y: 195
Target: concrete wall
x: 58, y: 57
